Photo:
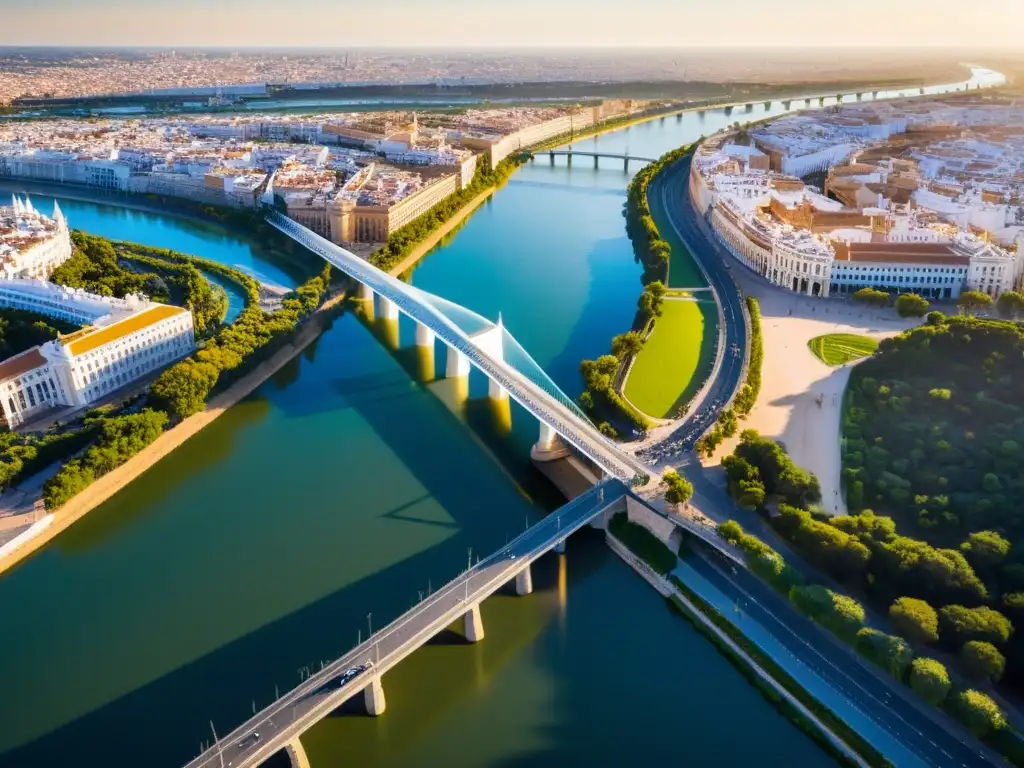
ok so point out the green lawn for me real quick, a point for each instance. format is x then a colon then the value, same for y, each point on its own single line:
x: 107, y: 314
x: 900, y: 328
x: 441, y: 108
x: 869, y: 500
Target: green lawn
x: 839, y: 348
x: 676, y: 358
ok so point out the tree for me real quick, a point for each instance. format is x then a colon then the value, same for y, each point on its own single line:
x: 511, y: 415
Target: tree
x: 872, y: 297
x: 627, y: 344
x: 911, y: 305
x: 891, y: 653
x: 679, y: 490
x: 971, y: 302
x: 929, y: 680
x: 840, y: 614
x: 983, y: 661
x: 978, y: 712
x: 960, y: 625
x: 915, y: 619
x: 182, y: 389
x: 985, y: 549
x: 1010, y: 304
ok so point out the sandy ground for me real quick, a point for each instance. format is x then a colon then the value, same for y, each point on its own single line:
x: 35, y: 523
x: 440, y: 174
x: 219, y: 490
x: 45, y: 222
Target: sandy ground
x: 801, y: 398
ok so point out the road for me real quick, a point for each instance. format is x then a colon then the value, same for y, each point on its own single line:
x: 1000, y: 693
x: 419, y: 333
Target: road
x: 321, y: 693
x: 668, y: 194
x: 932, y: 736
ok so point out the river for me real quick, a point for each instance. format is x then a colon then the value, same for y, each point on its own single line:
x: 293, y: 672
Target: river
x: 322, y: 505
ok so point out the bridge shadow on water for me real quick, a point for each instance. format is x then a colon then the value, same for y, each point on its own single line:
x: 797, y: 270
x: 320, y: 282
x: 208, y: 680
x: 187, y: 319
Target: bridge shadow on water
x: 163, y: 722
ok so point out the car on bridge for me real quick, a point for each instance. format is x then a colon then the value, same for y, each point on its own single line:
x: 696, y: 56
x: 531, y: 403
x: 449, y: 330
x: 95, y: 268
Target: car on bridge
x: 250, y: 740
x: 352, y: 673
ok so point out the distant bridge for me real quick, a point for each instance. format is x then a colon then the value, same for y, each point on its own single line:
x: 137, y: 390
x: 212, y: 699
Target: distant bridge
x: 570, y: 153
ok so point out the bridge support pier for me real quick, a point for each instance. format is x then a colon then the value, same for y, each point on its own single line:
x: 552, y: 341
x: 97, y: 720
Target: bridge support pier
x: 473, y: 625
x: 296, y: 753
x: 495, y: 391
x: 552, y: 156
x: 560, y: 547
x: 424, y: 336
x: 373, y: 698
x: 546, y: 438
x: 456, y: 365
x: 568, y: 158
x: 387, y: 309
x: 524, y: 582
x: 365, y: 292
x: 595, y: 162
x: 625, y: 164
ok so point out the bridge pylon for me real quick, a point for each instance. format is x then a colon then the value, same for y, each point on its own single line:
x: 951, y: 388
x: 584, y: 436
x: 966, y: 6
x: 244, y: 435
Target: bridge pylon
x: 373, y: 697
x: 473, y: 624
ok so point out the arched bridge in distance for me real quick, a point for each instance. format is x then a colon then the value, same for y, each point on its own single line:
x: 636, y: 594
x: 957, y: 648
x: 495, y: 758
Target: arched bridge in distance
x: 570, y: 153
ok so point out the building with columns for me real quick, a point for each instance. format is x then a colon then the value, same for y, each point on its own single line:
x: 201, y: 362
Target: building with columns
x: 32, y: 245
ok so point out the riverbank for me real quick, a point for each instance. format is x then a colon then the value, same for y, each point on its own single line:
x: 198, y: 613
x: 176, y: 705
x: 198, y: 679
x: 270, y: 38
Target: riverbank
x: 109, y: 484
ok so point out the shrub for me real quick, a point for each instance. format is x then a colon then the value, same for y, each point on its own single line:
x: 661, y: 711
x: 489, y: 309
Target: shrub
x: 960, y: 625
x: 929, y: 680
x: 915, y: 619
x: 679, y: 490
x: 983, y: 661
x: 841, y: 615
x: 978, y: 712
x: 889, y: 652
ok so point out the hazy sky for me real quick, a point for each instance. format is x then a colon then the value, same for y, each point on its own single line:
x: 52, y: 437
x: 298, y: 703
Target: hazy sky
x: 346, y: 23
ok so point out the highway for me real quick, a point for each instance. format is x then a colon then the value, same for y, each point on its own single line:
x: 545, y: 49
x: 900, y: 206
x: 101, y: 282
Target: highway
x: 932, y: 736
x: 322, y: 693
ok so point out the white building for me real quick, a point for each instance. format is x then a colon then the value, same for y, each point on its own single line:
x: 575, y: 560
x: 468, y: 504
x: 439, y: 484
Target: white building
x: 73, y: 305
x: 134, y: 338
x: 32, y: 245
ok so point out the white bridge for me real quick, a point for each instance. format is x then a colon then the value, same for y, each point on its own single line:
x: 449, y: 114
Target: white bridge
x: 475, y: 341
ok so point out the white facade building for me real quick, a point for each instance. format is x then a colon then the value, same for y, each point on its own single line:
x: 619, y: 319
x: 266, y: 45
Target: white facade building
x: 32, y: 245
x: 127, y: 339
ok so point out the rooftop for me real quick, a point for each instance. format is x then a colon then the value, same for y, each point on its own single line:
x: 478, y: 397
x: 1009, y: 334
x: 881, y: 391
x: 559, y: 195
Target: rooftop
x: 88, y: 339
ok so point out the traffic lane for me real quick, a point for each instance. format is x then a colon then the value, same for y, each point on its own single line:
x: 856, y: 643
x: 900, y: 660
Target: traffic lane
x: 845, y: 672
x: 318, y: 689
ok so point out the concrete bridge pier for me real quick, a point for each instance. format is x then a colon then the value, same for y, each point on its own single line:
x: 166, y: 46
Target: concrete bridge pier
x: 495, y: 391
x: 365, y: 292
x: 552, y: 156
x: 296, y: 753
x: 373, y: 697
x: 473, y: 625
x: 387, y: 309
x: 560, y: 547
x: 595, y: 162
x: 424, y: 336
x: 568, y: 158
x: 625, y: 164
x: 524, y: 582
x: 456, y: 365
x: 546, y: 437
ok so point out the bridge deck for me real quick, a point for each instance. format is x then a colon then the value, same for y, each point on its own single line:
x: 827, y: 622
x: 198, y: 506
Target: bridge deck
x: 575, y: 430
x: 613, y: 155
x: 320, y: 694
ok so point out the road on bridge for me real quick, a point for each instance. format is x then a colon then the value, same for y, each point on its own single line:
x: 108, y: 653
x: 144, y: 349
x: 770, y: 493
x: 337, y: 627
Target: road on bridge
x: 323, y: 692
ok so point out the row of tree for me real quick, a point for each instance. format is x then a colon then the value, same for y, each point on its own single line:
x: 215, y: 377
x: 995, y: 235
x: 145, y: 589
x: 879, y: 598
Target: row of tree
x: 728, y: 419
x: 845, y: 617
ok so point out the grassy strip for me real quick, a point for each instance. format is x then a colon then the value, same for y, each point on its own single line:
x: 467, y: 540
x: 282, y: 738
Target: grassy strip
x: 728, y: 420
x: 839, y: 348
x: 823, y: 713
x: 642, y: 543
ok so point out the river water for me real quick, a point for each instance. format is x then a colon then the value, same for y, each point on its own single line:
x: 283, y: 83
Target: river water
x: 323, y: 504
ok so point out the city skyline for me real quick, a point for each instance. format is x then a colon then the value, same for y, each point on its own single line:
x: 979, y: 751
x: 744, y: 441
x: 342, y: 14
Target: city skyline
x: 458, y: 23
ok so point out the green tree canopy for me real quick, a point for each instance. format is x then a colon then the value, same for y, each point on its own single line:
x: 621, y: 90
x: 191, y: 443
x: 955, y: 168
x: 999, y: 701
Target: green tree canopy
x: 915, y: 619
x: 982, y: 660
x: 911, y: 305
x: 1010, y: 304
x: 929, y: 680
x: 679, y: 490
x: 978, y: 712
x: 971, y: 302
x: 872, y: 296
x: 840, y: 614
x: 960, y: 625
x: 985, y: 549
x: 891, y: 653
x: 627, y: 344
